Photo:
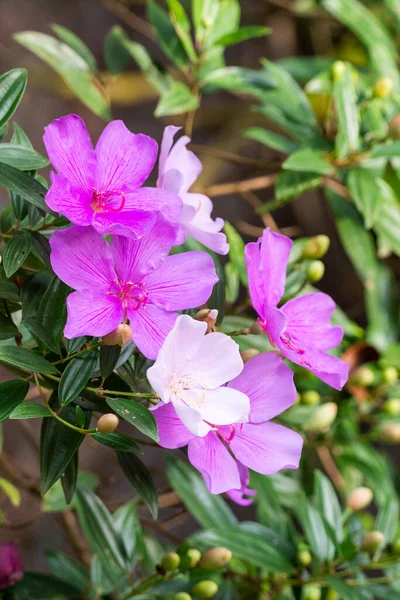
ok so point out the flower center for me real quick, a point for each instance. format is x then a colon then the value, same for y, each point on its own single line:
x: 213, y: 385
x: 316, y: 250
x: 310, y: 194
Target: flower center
x: 102, y: 201
x: 133, y: 295
x: 179, y: 385
x: 287, y: 341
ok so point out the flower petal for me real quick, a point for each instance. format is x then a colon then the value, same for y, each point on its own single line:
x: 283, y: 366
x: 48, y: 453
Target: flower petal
x: 184, y: 281
x: 69, y: 201
x: 171, y: 430
x: 71, y: 152
x: 267, y: 448
x: 150, y: 326
x: 91, y: 313
x: 309, y: 319
x: 268, y: 382
x: 124, y: 159
x: 224, y: 406
x: 166, y: 144
x: 201, y: 226
x: 134, y: 224
x: 191, y: 418
x: 184, y: 161
x: 209, y: 456
x: 238, y: 496
x: 169, y: 204
x: 82, y: 258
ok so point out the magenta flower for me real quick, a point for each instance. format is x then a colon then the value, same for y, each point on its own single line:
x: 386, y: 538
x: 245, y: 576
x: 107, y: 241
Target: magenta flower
x: 301, y: 328
x: 131, y: 280
x: 178, y: 170
x: 11, y: 569
x: 225, y: 454
x: 102, y: 186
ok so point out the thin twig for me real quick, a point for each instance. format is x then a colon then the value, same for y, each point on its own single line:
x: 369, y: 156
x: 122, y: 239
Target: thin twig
x: 229, y: 156
x: 330, y: 467
x: 237, y: 187
x: 137, y: 23
x: 337, y: 187
x: 266, y: 217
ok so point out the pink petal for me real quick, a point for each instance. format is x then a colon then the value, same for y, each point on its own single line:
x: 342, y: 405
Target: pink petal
x: 71, y: 202
x: 92, y: 313
x: 184, y: 161
x: 184, y: 281
x: 191, y: 417
x: 201, y: 226
x: 82, y: 259
x: 238, y: 496
x: 267, y: 448
x: 153, y: 199
x: 268, y: 382
x: 134, y: 224
x: 135, y: 258
x: 217, y: 361
x: 309, y: 320
x: 166, y: 144
x: 150, y: 326
x: 71, y: 152
x: 124, y: 160
x: 209, y: 456
x: 172, y: 432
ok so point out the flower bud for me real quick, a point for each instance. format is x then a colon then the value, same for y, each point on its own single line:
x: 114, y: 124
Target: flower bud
x: 396, y: 546
x: 304, y: 557
x: 256, y: 329
x: 312, y: 592
x: 207, y: 316
x: 182, y: 596
x: 363, y: 377
x: 171, y: 561
x: 316, y: 247
x: 372, y: 540
x: 322, y: 418
x: 315, y: 271
x: 390, y: 375
x: 332, y: 595
x: 215, y: 558
x: 392, y: 407
x: 107, y: 423
x: 11, y: 569
x: 205, y: 589
x: 390, y: 433
x: 394, y: 128
x: 194, y: 557
x: 310, y: 397
x: 383, y: 87
x: 338, y: 70
x: 119, y: 337
x: 360, y: 498
x: 249, y: 353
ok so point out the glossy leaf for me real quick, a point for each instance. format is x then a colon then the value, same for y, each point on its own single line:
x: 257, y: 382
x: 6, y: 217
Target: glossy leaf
x: 24, y: 185
x: 232, y: 283
x: 315, y: 531
x: 126, y: 520
x: 76, y: 375
x: 328, y: 505
x: 42, y: 245
x: 74, y: 42
x: 40, y: 586
x: 118, y: 441
x: 345, y: 591
x: 27, y: 360
x: 176, y: 100
x: 68, y: 569
x: 136, y: 415
x: 243, y: 34
x: 347, y: 113
x: 388, y: 519
x: 240, y: 79
x: 54, y: 499
x: 116, y: 55
x: 15, y: 252
x: 109, y: 356
x: 140, y: 478
x: 181, y: 23
x: 159, y: 79
x: 308, y: 160
x: 387, y: 219
x: 7, y: 328
x: 291, y: 184
x: 12, y: 88
x: 29, y: 410
x: 21, y: 157
x: 52, y: 309
x: 12, y: 393
x: 166, y: 34
x: 271, y: 139
x: 69, y: 478
x: 365, y: 191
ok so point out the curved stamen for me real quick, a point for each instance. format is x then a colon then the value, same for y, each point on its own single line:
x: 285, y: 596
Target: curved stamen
x: 121, y: 206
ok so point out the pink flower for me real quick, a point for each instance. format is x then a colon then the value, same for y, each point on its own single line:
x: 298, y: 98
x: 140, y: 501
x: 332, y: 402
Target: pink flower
x: 129, y: 279
x: 178, y: 170
x: 190, y: 372
x: 11, y: 569
x: 301, y: 328
x: 102, y: 186
x: 225, y: 454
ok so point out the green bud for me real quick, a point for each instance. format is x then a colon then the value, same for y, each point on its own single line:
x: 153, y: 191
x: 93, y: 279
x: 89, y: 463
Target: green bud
x: 383, y: 87
x: 360, y: 499
x: 316, y: 247
x: 215, y: 558
x: 249, y: 353
x: 363, y: 376
x: 304, y: 558
x: 322, y: 418
x: 372, y: 540
x: 171, y: 561
x: 194, y: 557
x: 338, y: 70
x: 182, y: 596
x: 367, y: 520
x: 315, y: 271
x: 312, y: 592
x: 332, y: 595
x: 396, y: 546
x: 205, y: 589
x: 390, y: 375
x: 392, y: 407
x: 107, y: 423
x: 310, y: 397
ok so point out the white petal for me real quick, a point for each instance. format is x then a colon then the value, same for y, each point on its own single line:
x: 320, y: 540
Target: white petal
x: 217, y: 361
x: 225, y: 406
x: 191, y: 419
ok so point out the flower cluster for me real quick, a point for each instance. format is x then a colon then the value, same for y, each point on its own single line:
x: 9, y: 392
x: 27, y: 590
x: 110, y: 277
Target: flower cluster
x: 210, y: 401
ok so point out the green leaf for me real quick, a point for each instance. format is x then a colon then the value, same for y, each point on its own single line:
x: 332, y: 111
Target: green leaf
x: 41, y: 334
x: 109, y: 356
x: 271, y: 139
x: 387, y: 218
x: 309, y: 161
x: 240, y: 79
x: 76, y: 375
x: 291, y: 184
x: 21, y: 157
x: 77, y: 45
x: 365, y: 191
x: 42, y: 246
x: 101, y: 533
x: 236, y: 251
x: 40, y: 586
x: 12, y: 88
x: 24, y: 185
x: 382, y: 309
x: 176, y: 100
x: 12, y: 393
x: 126, y: 520
x: 388, y: 150
x: 116, y: 54
x: 219, y: 18
x: 7, y: 328
x: 68, y: 569
x: 54, y: 499
x: 140, y: 478
x: 314, y: 529
x: 344, y: 92
x: 118, y: 441
x: 328, y: 505
x: 27, y: 360
x: 243, y: 34
x: 69, y: 478
x: 166, y: 35
x: 52, y: 309
x: 345, y: 591
x: 387, y: 520
x: 209, y: 510
x: 158, y: 78
x: 232, y: 283
x: 181, y: 24
x: 70, y: 66
x: 136, y: 415
x: 15, y: 252
x: 10, y: 491
x: 29, y: 410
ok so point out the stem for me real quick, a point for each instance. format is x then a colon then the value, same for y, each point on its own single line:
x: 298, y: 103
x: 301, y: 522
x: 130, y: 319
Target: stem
x: 143, y: 586
x: 237, y: 187
x: 236, y: 332
x: 107, y: 392
x: 330, y: 467
x: 62, y: 360
x: 229, y: 156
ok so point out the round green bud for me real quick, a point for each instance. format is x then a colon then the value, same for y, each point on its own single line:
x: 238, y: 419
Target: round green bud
x: 390, y: 433
x: 312, y: 592
x: 396, y: 546
x: 249, y: 353
x: 170, y: 561
x: 304, y: 558
x: 194, y: 557
x: 390, y: 375
x: 316, y: 247
x: 215, y: 558
x: 332, y: 595
x: 310, y: 397
x: 360, y: 498
x: 322, y: 418
x: 363, y: 376
x: 107, y: 423
x: 392, y: 407
x: 315, y: 271
x: 182, y: 596
x: 372, y: 540
x: 367, y: 520
x: 338, y: 70
x: 383, y: 87
x: 119, y: 336
x: 205, y: 589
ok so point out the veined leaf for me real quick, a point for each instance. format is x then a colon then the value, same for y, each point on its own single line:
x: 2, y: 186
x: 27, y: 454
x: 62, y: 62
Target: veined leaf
x: 136, y: 415
x: 12, y: 88
x: 309, y: 161
x: 29, y: 410
x: 7, y: 328
x: 118, y: 441
x: 328, y: 505
x: 160, y: 80
x: 347, y: 138
x: 76, y: 375
x: 388, y: 519
x: 164, y: 29
x: 116, y: 54
x: 365, y: 191
x: 176, y: 100
x: 20, y: 157
x: 15, y: 252
x: 181, y: 24
x: 271, y: 139
x: 72, y: 40
x: 140, y: 478
x: 24, y: 185
x: 27, y: 360
x: 242, y: 34
x: 12, y: 393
